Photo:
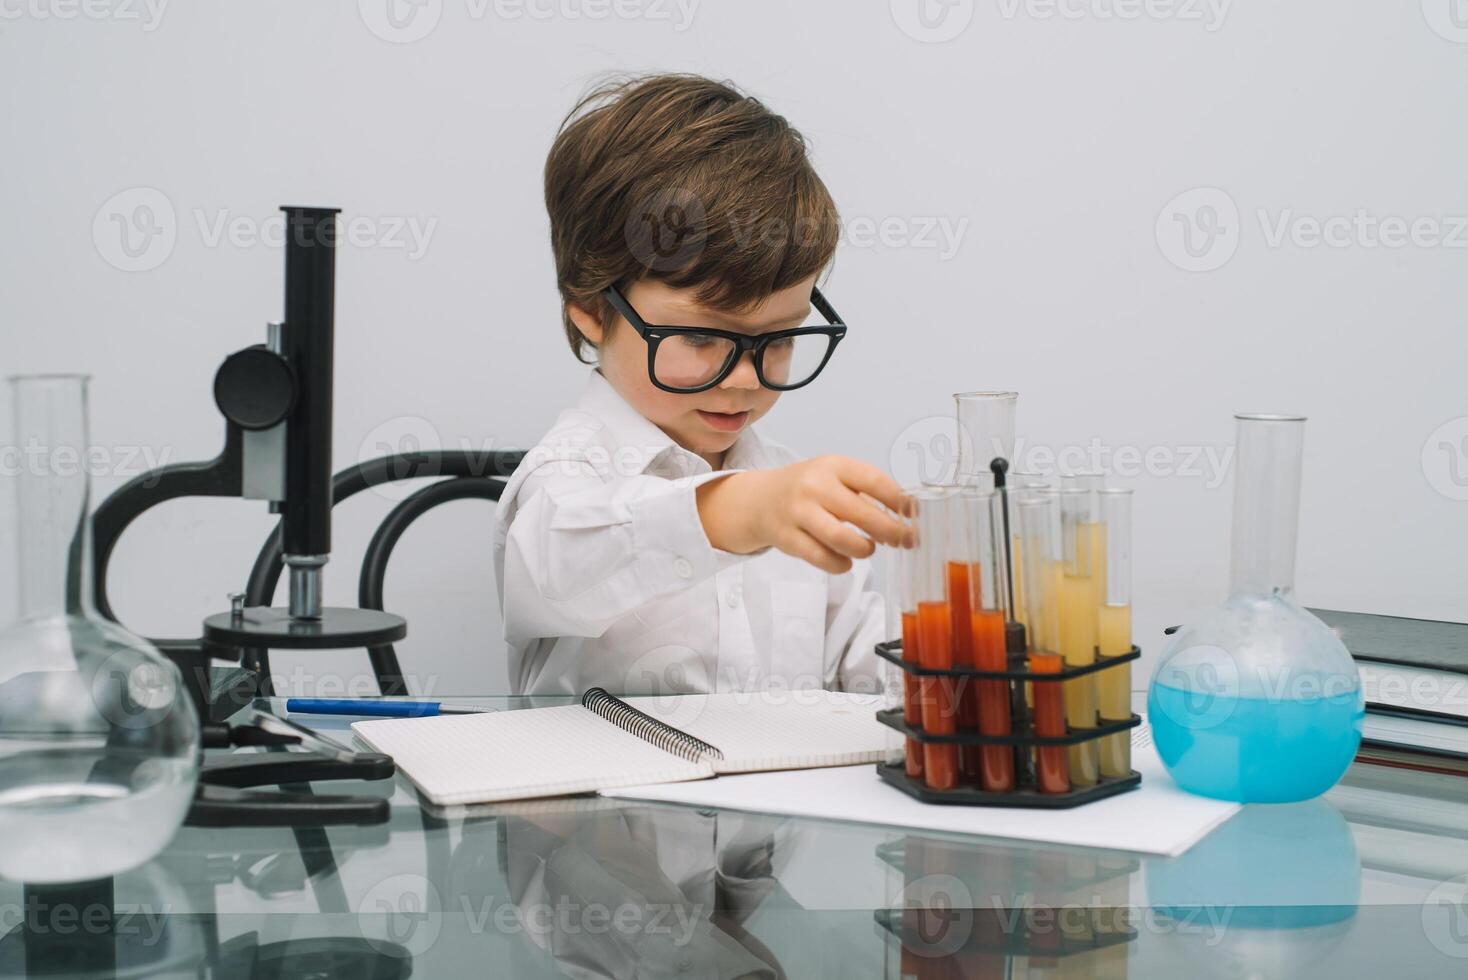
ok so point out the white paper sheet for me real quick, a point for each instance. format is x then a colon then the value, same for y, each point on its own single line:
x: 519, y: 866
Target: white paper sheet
x: 1155, y: 818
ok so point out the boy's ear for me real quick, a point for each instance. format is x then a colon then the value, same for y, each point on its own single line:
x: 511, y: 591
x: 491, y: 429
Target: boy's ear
x: 587, y: 322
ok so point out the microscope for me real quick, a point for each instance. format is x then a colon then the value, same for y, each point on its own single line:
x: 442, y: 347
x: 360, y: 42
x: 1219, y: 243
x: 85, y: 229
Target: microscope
x: 276, y: 399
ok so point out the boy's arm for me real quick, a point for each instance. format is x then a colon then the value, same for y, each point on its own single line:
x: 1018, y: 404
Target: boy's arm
x: 815, y: 510
x: 581, y: 552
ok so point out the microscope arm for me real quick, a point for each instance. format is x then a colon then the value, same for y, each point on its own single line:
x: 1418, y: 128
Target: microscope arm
x: 220, y: 477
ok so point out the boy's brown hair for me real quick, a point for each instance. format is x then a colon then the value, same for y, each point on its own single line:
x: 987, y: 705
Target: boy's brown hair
x: 687, y: 181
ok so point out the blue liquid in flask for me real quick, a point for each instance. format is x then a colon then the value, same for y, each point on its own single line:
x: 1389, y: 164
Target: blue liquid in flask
x: 1254, y: 750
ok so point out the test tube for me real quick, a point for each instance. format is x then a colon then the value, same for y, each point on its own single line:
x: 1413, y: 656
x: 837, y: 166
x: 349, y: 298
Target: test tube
x: 1094, y: 482
x: 1115, y: 630
x: 1078, y: 616
x: 960, y: 566
x: 1022, y: 483
x: 891, y: 676
x: 1094, y: 527
x: 988, y: 600
x: 935, y: 633
x: 985, y: 429
x: 903, y: 607
x: 957, y: 561
x: 1035, y: 516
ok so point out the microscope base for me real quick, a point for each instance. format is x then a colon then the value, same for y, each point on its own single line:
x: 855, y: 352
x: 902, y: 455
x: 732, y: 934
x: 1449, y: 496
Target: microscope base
x: 273, y: 628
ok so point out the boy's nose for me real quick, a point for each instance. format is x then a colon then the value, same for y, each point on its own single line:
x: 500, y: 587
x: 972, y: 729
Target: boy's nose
x: 744, y: 374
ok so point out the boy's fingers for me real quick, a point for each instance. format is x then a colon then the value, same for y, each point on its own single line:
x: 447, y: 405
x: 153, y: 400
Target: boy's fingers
x: 866, y: 478
x: 840, y: 538
x: 807, y: 548
x: 859, y: 510
x: 907, y: 535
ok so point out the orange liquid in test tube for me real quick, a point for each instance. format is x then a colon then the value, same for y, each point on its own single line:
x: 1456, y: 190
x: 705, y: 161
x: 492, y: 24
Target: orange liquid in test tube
x: 1051, y: 763
x: 940, y: 716
x: 912, y: 703
x: 997, y: 761
x: 962, y: 576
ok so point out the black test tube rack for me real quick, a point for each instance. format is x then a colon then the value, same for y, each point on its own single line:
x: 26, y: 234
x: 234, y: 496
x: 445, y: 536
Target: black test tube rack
x: 1023, y: 737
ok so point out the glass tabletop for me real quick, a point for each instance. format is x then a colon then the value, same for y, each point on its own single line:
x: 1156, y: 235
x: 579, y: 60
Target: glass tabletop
x: 1369, y: 881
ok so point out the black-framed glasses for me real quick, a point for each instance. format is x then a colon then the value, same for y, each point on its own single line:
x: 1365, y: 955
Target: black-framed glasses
x: 688, y: 359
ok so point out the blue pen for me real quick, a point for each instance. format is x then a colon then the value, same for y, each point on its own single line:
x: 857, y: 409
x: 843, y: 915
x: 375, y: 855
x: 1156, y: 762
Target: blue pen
x: 377, y: 707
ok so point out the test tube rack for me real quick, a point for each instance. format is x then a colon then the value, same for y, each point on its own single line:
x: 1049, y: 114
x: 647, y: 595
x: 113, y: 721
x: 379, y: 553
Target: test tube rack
x: 1023, y: 737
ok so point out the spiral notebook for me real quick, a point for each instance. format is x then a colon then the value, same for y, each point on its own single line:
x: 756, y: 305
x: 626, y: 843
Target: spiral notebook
x: 607, y: 742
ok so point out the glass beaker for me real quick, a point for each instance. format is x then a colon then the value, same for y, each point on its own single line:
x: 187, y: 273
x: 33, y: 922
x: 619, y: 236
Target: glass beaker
x: 1259, y: 702
x: 985, y: 431
x: 99, y: 742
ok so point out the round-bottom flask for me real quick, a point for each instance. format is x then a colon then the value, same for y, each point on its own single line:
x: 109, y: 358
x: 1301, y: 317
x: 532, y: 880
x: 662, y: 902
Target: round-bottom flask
x: 1259, y: 702
x: 99, y: 742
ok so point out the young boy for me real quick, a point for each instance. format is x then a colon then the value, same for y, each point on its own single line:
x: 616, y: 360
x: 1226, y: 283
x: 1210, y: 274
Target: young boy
x: 652, y: 542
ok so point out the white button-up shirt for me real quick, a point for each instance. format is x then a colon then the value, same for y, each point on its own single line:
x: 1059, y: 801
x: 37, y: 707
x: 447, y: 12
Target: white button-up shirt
x: 606, y: 577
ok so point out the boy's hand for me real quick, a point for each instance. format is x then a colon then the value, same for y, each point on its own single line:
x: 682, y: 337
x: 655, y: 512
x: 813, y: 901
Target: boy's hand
x: 803, y: 510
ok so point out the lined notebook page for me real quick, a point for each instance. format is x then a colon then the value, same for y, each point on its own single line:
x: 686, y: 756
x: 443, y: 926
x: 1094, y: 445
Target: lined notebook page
x: 510, y: 755
x: 778, y: 729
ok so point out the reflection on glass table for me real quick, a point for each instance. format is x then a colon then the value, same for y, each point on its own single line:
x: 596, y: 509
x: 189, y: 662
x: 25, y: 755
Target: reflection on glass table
x: 1367, y: 882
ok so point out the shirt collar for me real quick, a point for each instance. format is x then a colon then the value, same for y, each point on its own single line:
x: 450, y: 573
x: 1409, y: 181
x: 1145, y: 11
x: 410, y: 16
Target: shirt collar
x: 648, y: 446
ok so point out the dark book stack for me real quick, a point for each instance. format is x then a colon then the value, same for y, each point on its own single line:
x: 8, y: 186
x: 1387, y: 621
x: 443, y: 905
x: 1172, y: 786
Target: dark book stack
x: 1414, y: 673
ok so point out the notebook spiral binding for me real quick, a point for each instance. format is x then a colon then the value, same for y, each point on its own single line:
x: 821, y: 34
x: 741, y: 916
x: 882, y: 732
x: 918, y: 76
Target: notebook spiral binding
x: 646, y: 727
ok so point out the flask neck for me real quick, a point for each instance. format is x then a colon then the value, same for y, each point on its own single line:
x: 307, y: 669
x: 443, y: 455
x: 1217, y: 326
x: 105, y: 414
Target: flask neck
x: 53, y: 496
x: 1267, y: 465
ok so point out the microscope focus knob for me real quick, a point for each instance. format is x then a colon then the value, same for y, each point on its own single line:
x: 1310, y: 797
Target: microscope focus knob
x: 255, y: 388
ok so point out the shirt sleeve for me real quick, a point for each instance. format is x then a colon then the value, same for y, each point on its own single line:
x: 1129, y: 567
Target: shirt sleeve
x: 856, y: 621
x: 582, y: 551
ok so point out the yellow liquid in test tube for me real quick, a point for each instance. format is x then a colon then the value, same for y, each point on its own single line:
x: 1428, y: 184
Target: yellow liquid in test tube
x: 1078, y: 647
x: 1115, y: 688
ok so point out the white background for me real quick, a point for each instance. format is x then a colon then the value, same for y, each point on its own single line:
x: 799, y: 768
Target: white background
x: 1057, y: 140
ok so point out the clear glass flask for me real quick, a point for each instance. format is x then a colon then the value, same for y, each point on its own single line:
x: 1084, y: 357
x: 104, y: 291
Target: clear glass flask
x: 1259, y: 702
x: 99, y: 742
